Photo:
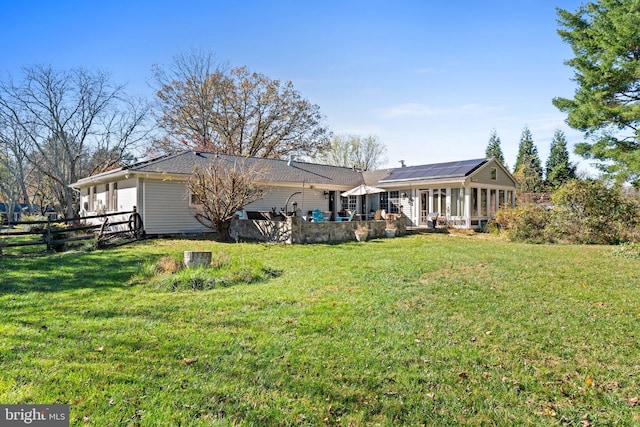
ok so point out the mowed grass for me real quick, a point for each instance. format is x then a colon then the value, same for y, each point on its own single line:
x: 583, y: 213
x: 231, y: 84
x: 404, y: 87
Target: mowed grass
x: 420, y: 330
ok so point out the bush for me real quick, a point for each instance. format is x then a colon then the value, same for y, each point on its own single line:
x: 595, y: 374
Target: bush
x: 34, y: 228
x: 584, y: 212
x: 523, y: 223
x: 589, y: 212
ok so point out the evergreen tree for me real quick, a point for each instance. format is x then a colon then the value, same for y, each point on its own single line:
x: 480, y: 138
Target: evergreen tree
x: 528, y: 169
x: 559, y: 169
x: 604, y: 37
x: 493, y: 147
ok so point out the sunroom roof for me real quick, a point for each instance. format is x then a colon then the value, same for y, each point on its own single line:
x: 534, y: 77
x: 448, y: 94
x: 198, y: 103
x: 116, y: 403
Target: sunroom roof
x: 434, y: 171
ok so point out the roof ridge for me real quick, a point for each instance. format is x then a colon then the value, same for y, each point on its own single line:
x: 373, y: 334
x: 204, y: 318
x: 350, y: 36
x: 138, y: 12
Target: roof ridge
x: 155, y: 159
x: 274, y: 159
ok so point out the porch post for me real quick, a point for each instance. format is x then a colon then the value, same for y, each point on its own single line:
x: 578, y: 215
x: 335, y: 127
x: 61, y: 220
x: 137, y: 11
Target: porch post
x: 487, y: 202
x: 467, y: 206
x: 447, y: 208
x: 430, y: 200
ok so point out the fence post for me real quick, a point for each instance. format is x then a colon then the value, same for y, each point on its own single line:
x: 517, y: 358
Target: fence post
x: 49, y: 238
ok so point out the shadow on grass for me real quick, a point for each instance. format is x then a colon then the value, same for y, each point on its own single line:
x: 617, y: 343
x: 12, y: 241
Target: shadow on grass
x: 53, y: 272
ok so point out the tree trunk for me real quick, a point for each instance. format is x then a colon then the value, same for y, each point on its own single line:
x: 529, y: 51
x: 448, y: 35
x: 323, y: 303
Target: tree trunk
x: 224, y: 231
x: 69, y: 197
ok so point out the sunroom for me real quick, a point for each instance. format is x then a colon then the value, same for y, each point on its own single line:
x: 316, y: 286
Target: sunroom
x: 464, y: 194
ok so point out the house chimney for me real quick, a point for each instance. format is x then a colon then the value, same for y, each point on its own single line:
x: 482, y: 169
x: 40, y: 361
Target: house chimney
x: 290, y: 161
x: 402, y: 163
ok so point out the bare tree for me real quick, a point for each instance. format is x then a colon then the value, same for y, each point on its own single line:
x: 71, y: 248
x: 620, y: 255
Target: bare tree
x: 9, y: 185
x: 66, y: 117
x: 14, y: 167
x: 222, y: 188
x: 234, y: 111
x: 363, y: 152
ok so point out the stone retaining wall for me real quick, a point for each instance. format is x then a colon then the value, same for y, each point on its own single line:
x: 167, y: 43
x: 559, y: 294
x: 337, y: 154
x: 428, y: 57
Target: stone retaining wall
x: 294, y: 230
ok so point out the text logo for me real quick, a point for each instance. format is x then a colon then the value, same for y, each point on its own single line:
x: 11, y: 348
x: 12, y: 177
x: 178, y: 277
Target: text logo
x: 34, y: 415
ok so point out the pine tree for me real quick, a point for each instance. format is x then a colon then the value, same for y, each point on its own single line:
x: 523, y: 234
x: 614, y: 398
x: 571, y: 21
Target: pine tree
x: 528, y: 169
x: 559, y: 169
x: 493, y: 147
x: 603, y: 35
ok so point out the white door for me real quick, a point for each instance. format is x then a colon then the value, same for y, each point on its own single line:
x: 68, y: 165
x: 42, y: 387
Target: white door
x: 424, y: 206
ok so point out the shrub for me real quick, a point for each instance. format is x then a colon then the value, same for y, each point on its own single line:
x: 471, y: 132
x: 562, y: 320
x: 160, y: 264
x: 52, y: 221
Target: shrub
x: 34, y: 228
x: 584, y: 212
x: 587, y: 211
x: 523, y: 223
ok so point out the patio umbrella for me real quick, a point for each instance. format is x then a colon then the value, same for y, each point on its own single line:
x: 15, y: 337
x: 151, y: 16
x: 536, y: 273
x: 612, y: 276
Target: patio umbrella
x: 362, y: 190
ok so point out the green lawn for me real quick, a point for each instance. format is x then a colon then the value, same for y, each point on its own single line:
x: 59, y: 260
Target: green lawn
x: 423, y: 330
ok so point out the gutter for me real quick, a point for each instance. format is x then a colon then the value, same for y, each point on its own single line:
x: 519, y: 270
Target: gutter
x: 100, y: 178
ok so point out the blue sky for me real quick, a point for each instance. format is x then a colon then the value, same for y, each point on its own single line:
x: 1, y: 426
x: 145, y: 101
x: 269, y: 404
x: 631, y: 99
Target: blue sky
x: 430, y: 78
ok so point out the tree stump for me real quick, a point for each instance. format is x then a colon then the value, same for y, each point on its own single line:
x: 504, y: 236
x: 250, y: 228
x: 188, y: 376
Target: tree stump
x: 194, y: 259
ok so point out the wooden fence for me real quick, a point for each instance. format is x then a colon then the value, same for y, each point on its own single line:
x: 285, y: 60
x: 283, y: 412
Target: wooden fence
x: 54, y: 234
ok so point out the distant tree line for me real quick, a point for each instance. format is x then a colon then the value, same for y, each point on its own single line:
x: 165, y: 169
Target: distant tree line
x: 57, y: 126
x: 528, y: 170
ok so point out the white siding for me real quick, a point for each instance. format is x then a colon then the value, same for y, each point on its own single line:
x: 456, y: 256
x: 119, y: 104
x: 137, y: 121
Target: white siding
x: 276, y: 197
x: 483, y: 176
x: 127, y: 195
x: 166, y: 208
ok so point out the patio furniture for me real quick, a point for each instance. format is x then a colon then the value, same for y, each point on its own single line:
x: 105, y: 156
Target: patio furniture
x: 346, y: 218
x: 318, y: 216
x: 432, y: 219
x: 364, y: 217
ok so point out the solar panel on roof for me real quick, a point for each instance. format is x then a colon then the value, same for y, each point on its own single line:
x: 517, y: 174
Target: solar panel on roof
x: 437, y: 170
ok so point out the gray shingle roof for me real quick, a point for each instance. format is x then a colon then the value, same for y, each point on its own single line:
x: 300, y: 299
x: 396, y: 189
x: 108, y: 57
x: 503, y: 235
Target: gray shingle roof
x: 274, y: 170
x: 373, y: 177
x: 283, y: 171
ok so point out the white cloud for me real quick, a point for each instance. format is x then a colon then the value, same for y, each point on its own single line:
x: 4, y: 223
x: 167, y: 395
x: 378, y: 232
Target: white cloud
x: 422, y: 110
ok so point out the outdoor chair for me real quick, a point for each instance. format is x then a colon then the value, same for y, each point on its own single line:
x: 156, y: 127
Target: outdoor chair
x: 378, y: 215
x: 346, y: 218
x: 318, y: 216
